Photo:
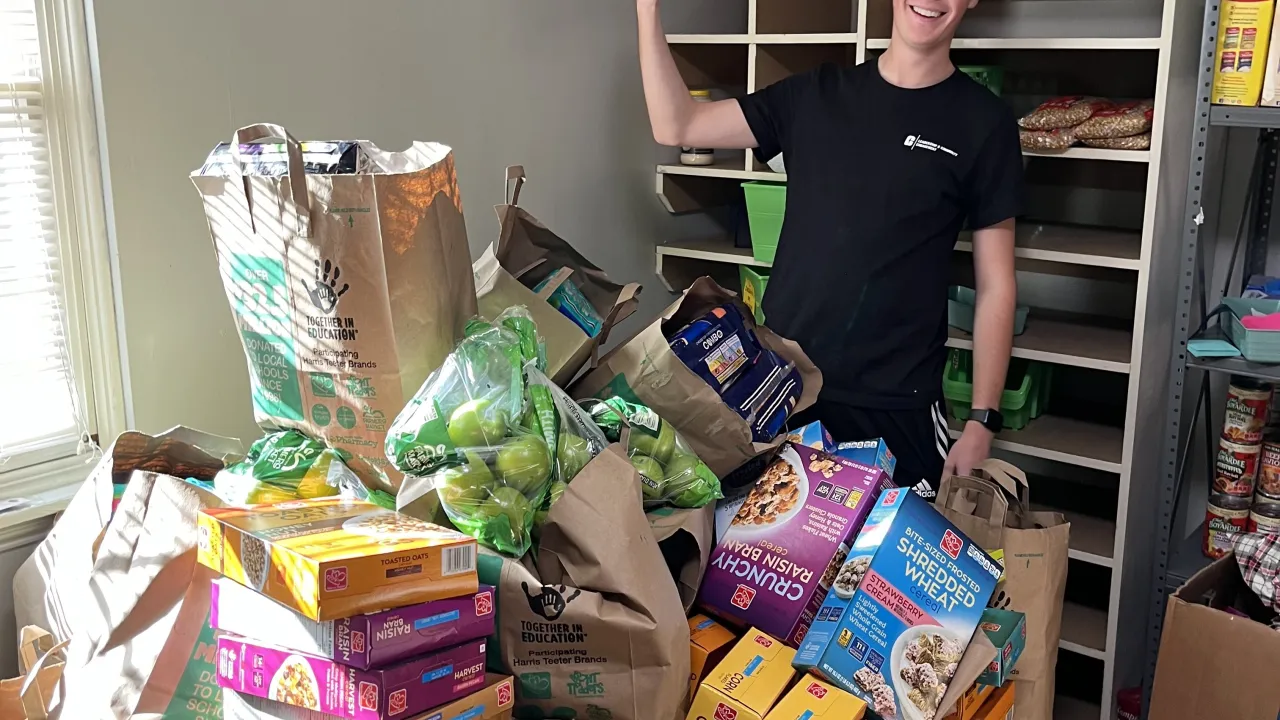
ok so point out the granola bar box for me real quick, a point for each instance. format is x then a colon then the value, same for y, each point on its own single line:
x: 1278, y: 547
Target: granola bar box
x: 326, y: 686
x: 361, y: 641
x: 332, y: 558
x: 812, y: 699
x: 772, y: 567
x: 902, y: 610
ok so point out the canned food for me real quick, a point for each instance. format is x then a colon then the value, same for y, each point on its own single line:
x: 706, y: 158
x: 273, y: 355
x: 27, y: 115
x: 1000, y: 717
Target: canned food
x: 1269, y: 467
x: 1265, y: 518
x: 1227, y: 516
x: 1273, y: 412
x: 1247, y: 408
x: 1236, y: 468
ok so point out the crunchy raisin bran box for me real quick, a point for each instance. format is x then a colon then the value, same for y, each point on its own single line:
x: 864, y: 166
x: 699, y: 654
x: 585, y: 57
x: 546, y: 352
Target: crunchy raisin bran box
x: 902, y: 611
x: 314, y: 683
x: 495, y: 701
x: 362, y: 641
x: 772, y: 567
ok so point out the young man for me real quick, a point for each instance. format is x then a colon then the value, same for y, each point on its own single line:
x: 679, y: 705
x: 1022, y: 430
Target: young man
x: 886, y: 163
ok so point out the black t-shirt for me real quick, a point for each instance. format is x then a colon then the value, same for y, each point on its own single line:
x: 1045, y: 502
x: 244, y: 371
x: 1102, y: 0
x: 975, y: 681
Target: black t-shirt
x: 880, y: 182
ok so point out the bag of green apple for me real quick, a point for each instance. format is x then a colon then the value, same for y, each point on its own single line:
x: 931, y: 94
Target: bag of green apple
x: 577, y: 438
x: 670, y: 472
x: 288, y: 465
x: 461, y: 436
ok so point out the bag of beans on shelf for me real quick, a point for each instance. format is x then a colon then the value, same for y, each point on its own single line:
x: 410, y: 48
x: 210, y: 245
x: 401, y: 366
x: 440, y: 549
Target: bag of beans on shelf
x: 1137, y: 142
x: 1046, y: 139
x: 1062, y: 112
x: 1125, y: 120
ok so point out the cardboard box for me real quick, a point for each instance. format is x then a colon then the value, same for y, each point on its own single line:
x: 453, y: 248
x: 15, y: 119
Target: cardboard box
x: 1007, y: 630
x: 872, y: 453
x: 495, y: 702
x: 709, y: 642
x: 1240, y: 61
x: 813, y: 435
x: 772, y: 568
x: 971, y: 702
x: 334, y: 558
x: 812, y: 699
x: 363, y: 641
x: 905, y: 623
x: 1212, y: 663
x: 1000, y: 705
x: 746, y: 684
x: 411, y: 686
x: 1271, y: 80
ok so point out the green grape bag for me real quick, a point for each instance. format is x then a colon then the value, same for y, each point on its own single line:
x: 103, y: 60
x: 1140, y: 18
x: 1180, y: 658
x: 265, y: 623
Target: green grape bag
x: 670, y: 472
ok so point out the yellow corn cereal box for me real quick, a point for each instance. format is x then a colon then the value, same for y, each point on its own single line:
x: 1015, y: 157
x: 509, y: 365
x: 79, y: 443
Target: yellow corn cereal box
x: 1240, y: 63
x: 969, y: 703
x: 332, y: 558
x: 812, y: 699
x: 1000, y: 705
x: 709, y: 641
x: 746, y: 684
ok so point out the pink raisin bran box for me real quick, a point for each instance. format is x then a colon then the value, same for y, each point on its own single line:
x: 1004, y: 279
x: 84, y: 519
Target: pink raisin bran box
x: 774, y: 565
x: 400, y: 690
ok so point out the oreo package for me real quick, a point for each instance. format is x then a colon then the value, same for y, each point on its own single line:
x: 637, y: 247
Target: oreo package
x: 719, y: 347
x: 765, y: 395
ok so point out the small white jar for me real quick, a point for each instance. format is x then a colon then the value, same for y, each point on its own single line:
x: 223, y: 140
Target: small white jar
x: 698, y: 156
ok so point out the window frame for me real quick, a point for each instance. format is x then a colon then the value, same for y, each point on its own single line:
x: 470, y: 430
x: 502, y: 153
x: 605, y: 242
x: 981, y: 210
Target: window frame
x: 88, y: 291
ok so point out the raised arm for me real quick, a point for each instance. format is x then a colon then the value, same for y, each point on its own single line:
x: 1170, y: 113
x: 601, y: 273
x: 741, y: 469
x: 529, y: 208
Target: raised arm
x: 676, y: 118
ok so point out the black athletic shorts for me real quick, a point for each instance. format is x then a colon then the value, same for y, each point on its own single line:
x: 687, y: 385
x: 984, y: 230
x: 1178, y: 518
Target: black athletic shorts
x: 917, y: 438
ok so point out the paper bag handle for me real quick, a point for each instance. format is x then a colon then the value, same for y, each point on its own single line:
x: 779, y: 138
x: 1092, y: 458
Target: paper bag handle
x: 29, y: 682
x: 625, y: 302
x: 515, y: 181
x: 298, y: 195
x: 1009, y: 477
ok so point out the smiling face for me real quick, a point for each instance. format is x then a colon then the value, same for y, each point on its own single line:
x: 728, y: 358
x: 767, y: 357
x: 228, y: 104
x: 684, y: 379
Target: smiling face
x: 926, y: 24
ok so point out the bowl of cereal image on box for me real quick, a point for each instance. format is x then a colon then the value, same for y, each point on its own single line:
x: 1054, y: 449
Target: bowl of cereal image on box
x: 850, y: 576
x: 777, y: 496
x: 923, y: 662
x: 255, y: 559
x: 392, y: 526
x: 295, y: 684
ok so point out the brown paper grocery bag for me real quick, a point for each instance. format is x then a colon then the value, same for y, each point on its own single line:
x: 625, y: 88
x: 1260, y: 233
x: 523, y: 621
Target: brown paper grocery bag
x: 685, y: 538
x: 590, y: 623
x: 347, y: 290
x: 526, y: 254
x: 993, y: 507
x: 643, y: 369
x: 123, y: 588
x: 40, y: 661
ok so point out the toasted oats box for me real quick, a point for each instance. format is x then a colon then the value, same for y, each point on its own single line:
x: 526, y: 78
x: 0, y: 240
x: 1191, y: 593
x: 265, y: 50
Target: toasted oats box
x: 333, y: 558
x: 361, y: 641
x: 774, y: 564
x: 314, y: 683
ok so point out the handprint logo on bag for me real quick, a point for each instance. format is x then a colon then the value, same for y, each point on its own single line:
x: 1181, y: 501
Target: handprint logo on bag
x: 550, y: 602
x: 325, y: 294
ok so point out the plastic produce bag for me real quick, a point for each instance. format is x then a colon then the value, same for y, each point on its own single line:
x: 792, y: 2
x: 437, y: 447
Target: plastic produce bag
x: 670, y: 472
x: 578, y: 439
x: 285, y: 466
x: 480, y: 435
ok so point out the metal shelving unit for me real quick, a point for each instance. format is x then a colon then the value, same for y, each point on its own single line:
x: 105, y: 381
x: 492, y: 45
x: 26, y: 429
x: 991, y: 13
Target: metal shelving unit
x: 1138, y: 46
x: 1179, y: 557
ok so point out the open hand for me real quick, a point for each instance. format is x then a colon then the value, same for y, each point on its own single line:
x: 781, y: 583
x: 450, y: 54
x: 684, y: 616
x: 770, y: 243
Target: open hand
x: 969, y: 451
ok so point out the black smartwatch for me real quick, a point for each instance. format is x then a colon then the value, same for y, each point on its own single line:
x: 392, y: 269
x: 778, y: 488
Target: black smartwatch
x: 990, y: 419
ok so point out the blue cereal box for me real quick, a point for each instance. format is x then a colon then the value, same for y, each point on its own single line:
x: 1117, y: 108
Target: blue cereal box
x: 873, y: 453
x: 814, y: 435
x: 901, y: 610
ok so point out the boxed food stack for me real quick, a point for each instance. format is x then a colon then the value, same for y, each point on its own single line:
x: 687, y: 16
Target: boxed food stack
x: 495, y: 701
x: 789, y: 537
x: 747, y: 683
x: 334, y: 608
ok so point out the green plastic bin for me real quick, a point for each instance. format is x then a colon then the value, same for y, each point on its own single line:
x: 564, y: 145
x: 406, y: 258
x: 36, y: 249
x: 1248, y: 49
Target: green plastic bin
x: 754, y: 281
x: 1026, y: 389
x: 766, y: 205
x: 989, y: 76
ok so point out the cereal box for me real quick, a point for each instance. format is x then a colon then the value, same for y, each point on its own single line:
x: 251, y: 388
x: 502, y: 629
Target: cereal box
x: 709, y: 642
x: 1007, y: 630
x: 495, y: 701
x: 1244, y: 27
x: 971, y: 702
x: 362, y: 641
x: 813, y: 435
x: 746, y: 684
x: 315, y: 683
x: 902, y: 610
x: 772, y: 567
x: 334, y: 558
x: 1000, y: 705
x: 812, y: 699
x: 872, y: 453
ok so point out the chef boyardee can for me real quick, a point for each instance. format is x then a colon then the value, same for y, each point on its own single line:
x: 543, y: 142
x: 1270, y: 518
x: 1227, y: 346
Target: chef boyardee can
x: 1265, y: 518
x: 1235, y: 472
x: 1227, y: 516
x: 1248, y: 403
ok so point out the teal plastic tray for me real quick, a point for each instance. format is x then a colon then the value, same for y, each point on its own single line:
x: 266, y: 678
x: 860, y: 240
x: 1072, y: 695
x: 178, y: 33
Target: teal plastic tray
x: 1261, y: 346
x: 960, y: 304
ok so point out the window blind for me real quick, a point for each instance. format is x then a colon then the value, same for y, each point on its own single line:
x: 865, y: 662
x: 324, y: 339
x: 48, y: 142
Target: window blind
x: 38, y: 407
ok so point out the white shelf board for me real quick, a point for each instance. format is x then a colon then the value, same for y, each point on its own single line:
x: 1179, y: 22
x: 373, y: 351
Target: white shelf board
x: 1075, y: 245
x: 1093, y: 540
x: 1062, y: 440
x: 1064, y: 343
x: 1088, y: 153
x: 1044, y: 43
x: 1084, y: 631
x: 711, y: 250
x: 1069, y: 708
x: 709, y: 39
x: 729, y: 169
x: 805, y: 39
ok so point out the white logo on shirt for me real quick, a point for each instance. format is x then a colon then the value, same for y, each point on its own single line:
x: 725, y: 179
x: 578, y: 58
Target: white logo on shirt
x: 915, y: 142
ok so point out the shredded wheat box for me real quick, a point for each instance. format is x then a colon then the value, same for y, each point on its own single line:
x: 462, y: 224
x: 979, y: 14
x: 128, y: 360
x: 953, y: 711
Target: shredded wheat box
x: 333, y: 558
